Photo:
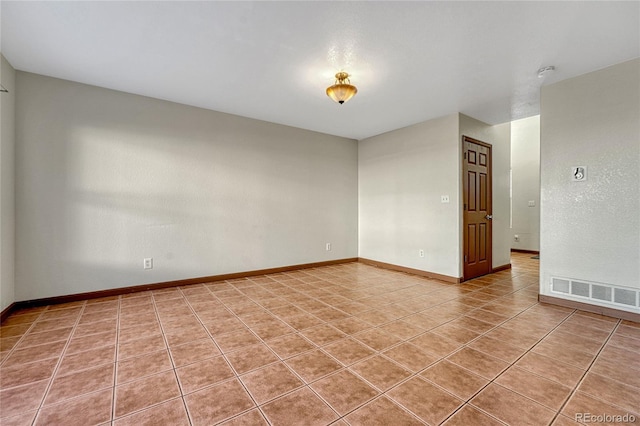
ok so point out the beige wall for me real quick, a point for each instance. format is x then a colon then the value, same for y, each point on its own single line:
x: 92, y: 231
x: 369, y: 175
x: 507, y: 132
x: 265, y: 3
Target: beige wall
x: 402, y: 176
x: 525, y: 168
x: 591, y: 230
x: 105, y: 179
x: 7, y: 182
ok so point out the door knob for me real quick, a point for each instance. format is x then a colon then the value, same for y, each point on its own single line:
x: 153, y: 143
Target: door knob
x: 489, y: 217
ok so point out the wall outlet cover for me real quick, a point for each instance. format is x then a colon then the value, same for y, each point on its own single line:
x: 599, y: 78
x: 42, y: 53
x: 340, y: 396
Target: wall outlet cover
x: 147, y: 263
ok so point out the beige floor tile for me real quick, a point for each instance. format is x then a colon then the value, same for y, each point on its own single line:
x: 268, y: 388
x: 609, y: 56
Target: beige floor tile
x: 478, y: 362
x: 377, y: 339
x: 348, y: 351
x: 235, y: 340
x: 497, y: 348
x: 511, y: 407
x: 34, y: 353
x: 344, y: 391
x: 79, y: 383
x: 468, y: 415
x: 217, y: 403
x: 435, y: 344
x: 325, y: 342
x: 411, y: 357
x: 546, y: 392
x: 20, y: 399
x: 26, y: 373
x: 550, y: 368
x: 380, y: 372
x: 581, y: 404
x: 323, y: 334
x: 140, y: 346
x: 425, y: 400
x: 290, y: 345
x: 455, y: 379
x: 301, y: 407
x: 250, y: 418
x: 313, y: 365
x: 611, y: 391
x: 250, y: 358
x: 270, y: 382
x: 195, y: 376
x: 24, y: 419
x: 381, y: 412
x: 88, y: 409
x: 33, y: 339
x: 143, y: 393
x: 194, y: 351
x: 145, y: 365
x: 172, y: 412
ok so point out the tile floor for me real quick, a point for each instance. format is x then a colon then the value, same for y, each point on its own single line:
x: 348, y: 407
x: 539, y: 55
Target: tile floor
x: 346, y: 344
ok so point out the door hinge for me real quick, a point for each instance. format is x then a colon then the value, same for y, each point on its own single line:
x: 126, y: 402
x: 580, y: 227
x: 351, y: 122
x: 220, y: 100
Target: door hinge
x: 465, y: 258
x: 465, y: 155
x: 465, y: 207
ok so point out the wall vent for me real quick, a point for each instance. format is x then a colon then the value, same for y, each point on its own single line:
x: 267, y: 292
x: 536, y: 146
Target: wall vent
x: 596, y: 292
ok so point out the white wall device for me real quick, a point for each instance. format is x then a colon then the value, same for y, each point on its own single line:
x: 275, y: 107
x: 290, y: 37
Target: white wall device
x: 579, y: 173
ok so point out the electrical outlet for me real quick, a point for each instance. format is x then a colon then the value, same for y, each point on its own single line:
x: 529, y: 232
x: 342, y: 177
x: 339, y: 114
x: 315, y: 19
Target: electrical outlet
x: 147, y: 263
x: 328, y: 247
x: 532, y: 203
x: 444, y: 198
x: 516, y: 238
x: 421, y: 253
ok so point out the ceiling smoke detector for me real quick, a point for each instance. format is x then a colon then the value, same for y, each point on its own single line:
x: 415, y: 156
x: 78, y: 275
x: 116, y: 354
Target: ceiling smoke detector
x: 545, y: 70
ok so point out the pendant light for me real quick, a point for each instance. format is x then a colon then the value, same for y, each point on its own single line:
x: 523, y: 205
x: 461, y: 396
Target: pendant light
x: 342, y: 90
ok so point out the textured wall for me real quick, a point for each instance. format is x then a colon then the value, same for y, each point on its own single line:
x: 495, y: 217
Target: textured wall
x: 525, y: 166
x: 105, y: 179
x: 7, y: 181
x: 591, y: 230
x: 402, y: 175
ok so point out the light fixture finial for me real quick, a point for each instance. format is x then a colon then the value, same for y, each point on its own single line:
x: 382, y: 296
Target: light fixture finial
x: 342, y: 90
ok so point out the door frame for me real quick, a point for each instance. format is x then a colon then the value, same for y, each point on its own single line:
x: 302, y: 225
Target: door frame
x: 463, y: 204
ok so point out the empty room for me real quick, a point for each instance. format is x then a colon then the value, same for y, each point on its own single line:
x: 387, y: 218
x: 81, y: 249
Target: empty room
x: 319, y: 213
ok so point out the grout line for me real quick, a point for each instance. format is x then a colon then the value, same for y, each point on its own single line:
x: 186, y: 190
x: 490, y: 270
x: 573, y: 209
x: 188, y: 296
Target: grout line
x: 115, y: 362
x: 509, y: 367
x: 584, y: 375
x: 223, y: 354
x: 325, y: 283
x: 60, y: 358
x: 22, y: 337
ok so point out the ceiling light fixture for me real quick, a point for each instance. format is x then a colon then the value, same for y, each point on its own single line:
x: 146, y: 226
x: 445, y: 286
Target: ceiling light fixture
x: 342, y: 90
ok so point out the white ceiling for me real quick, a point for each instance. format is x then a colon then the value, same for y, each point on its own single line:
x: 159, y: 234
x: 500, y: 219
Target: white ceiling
x: 411, y: 61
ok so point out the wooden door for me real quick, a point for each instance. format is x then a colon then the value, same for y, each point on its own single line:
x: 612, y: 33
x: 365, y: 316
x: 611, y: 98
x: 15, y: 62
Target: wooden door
x: 477, y: 210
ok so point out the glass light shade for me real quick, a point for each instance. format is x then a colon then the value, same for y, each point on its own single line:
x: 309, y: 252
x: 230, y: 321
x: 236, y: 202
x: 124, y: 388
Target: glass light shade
x: 341, y: 93
x: 342, y: 90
